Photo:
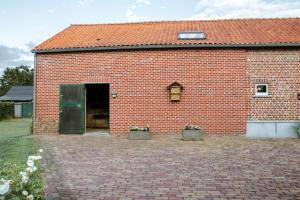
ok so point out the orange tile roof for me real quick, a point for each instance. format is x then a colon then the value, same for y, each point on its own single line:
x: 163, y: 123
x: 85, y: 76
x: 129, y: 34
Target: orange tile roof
x: 231, y: 32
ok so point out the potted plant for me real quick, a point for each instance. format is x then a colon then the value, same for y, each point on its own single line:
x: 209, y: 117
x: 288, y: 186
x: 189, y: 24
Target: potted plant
x: 192, y: 133
x: 139, y: 133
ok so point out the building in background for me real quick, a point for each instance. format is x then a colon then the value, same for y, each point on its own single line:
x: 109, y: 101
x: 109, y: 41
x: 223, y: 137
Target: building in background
x: 22, y: 97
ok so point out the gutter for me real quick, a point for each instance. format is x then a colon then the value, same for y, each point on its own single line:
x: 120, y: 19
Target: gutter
x: 172, y: 46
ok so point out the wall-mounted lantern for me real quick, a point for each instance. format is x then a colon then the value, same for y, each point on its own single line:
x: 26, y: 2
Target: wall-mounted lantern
x: 298, y: 96
x: 114, y: 94
x: 175, y: 91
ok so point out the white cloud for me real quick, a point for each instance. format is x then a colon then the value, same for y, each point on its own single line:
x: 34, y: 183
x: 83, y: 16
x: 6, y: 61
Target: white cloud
x: 144, y: 2
x: 131, y: 11
x: 51, y: 10
x: 84, y: 3
x: 15, y: 56
x: 131, y: 15
x: 220, y: 9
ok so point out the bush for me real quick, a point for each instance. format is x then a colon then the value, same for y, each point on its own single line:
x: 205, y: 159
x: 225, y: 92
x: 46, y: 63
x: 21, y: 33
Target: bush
x: 24, y: 183
x: 6, y: 110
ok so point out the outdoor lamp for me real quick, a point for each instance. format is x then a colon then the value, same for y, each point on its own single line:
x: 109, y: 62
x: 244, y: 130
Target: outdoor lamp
x: 114, y: 94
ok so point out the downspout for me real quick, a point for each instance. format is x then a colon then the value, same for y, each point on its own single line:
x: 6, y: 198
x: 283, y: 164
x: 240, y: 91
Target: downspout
x: 34, y: 87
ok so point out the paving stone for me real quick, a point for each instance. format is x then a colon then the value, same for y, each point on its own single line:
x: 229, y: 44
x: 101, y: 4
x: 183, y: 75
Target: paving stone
x: 167, y: 168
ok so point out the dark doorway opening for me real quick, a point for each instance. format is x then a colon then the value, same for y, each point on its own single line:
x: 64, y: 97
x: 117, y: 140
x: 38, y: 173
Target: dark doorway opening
x: 97, y: 107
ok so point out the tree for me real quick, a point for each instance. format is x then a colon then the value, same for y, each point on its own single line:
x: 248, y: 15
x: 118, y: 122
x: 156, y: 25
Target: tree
x: 21, y: 75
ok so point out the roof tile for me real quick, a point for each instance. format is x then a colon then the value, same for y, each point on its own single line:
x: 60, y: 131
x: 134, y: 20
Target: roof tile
x: 234, y: 31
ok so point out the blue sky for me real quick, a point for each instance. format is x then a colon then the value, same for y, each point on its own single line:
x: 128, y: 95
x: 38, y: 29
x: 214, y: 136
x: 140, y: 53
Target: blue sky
x: 25, y: 23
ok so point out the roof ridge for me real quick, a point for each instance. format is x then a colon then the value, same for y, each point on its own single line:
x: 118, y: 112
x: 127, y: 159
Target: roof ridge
x: 186, y: 20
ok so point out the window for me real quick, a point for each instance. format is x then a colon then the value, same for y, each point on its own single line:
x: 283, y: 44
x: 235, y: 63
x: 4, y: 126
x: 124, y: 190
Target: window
x: 191, y: 36
x: 261, y: 90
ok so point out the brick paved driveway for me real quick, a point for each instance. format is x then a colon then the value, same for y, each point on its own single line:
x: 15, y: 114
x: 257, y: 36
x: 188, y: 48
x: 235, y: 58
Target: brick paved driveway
x: 87, y: 167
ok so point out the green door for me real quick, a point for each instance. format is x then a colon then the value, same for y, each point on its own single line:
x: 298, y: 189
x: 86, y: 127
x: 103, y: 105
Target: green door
x: 72, y: 109
x: 27, y: 109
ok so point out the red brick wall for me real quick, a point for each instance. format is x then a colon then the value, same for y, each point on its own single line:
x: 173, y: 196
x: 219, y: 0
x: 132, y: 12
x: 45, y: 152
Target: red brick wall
x: 215, y: 95
x: 281, y: 70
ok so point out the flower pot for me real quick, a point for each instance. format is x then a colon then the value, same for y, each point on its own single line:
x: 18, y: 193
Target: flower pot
x: 139, y: 135
x: 192, y: 135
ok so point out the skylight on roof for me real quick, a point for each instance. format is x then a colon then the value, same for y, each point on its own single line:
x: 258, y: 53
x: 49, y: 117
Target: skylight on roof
x: 191, y: 35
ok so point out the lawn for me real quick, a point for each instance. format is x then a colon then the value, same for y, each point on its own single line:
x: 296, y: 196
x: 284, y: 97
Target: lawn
x: 16, y: 145
x: 15, y: 140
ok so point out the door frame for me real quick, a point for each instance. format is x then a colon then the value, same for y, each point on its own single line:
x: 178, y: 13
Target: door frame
x: 98, y: 83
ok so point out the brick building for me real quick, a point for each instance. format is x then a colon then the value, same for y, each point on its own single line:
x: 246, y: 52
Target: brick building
x: 237, y: 76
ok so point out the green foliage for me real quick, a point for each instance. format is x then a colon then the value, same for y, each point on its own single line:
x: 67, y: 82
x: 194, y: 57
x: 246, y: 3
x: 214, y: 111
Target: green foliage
x: 15, y: 147
x: 21, y: 75
x: 34, y: 186
x: 6, y: 110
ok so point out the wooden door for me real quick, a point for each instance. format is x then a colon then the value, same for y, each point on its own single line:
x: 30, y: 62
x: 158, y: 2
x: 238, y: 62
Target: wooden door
x: 72, y: 109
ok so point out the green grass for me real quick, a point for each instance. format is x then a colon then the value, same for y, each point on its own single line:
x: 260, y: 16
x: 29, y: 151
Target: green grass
x: 15, y: 140
x: 16, y: 144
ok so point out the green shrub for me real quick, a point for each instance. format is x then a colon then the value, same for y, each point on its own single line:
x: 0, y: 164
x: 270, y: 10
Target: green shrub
x: 6, y: 110
x: 30, y: 185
